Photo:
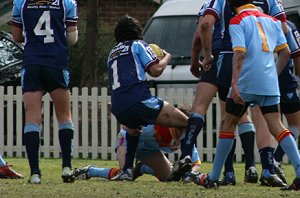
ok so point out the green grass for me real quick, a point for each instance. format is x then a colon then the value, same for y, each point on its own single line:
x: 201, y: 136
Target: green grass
x: 145, y: 186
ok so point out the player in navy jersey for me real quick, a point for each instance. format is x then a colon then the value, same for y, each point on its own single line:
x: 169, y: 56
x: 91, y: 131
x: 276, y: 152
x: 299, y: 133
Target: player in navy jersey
x: 206, y: 89
x: 289, y: 100
x: 255, y: 37
x: 219, y: 10
x: 131, y: 100
x: 47, y: 28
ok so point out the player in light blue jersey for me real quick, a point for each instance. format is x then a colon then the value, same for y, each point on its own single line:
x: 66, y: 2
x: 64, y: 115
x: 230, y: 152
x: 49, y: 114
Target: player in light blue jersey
x: 219, y: 10
x: 207, y: 88
x: 47, y: 28
x: 154, y: 142
x: 255, y: 37
x: 131, y: 100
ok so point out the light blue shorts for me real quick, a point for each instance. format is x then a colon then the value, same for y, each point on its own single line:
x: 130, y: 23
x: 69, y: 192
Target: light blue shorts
x: 260, y: 99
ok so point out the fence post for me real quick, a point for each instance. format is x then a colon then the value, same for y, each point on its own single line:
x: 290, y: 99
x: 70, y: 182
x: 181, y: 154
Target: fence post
x: 104, y: 124
x: 94, y: 122
x: 75, y: 119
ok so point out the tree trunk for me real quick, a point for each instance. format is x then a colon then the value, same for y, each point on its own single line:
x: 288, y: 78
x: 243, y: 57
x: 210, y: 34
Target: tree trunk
x: 89, y: 67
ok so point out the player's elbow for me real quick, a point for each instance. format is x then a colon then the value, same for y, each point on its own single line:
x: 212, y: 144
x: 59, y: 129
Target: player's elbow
x: 205, y: 26
x: 156, y: 70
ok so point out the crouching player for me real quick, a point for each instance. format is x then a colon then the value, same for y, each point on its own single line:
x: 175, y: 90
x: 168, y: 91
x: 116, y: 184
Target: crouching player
x: 154, y: 141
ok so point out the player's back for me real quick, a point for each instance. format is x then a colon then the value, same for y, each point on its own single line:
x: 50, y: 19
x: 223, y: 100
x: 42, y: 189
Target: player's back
x: 44, y: 25
x: 260, y: 36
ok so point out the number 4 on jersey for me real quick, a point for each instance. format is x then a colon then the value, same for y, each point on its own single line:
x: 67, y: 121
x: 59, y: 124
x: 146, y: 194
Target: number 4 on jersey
x: 45, y: 30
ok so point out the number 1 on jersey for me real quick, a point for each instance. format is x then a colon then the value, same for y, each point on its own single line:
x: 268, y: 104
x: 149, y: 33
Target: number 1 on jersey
x: 116, y: 83
x: 46, y: 30
x: 265, y: 46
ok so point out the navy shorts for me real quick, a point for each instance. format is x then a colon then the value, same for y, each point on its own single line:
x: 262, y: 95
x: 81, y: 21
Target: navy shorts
x: 141, y: 114
x: 224, y: 74
x: 289, y: 102
x: 210, y: 76
x: 40, y: 78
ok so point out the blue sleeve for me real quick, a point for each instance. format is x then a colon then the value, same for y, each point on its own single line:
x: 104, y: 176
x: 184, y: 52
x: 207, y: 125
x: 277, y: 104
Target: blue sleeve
x: 215, y: 8
x: 203, y: 8
x: 293, y: 40
x: 144, y: 54
x: 237, y: 36
x: 276, y: 10
x: 71, y: 11
x: 16, y: 12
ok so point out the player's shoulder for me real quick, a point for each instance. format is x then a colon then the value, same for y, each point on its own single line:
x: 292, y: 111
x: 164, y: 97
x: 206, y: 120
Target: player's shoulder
x: 18, y: 3
x: 70, y: 4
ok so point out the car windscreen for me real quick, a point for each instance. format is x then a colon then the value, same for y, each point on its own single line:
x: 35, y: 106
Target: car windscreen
x: 10, y: 52
x: 174, y: 34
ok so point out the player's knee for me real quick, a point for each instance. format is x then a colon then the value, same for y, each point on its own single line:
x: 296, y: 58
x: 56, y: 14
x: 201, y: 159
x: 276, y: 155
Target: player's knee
x: 246, y: 128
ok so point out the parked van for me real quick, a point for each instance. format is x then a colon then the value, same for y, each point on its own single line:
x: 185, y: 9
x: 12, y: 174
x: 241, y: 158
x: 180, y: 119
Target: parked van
x: 172, y: 27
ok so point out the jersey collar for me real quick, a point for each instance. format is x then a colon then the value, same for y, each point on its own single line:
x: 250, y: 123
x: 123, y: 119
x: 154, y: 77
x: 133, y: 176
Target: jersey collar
x: 245, y: 8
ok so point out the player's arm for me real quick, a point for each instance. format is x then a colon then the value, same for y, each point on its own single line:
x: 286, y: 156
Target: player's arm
x: 71, y: 22
x: 157, y: 69
x: 206, y: 38
x: 297, y: 65
x: 282, y: 49
x: 283, y: 57
x: 17, y: 34
x: 17, y: 26
x: 239, y: 52
x: 284, y: 27
x: 237, y: 64
x: 72, y: 35
x: 196, y: 49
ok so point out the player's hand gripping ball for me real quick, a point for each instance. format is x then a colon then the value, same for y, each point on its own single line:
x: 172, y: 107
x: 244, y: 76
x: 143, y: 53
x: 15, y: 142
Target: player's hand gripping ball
x: 157, y: 50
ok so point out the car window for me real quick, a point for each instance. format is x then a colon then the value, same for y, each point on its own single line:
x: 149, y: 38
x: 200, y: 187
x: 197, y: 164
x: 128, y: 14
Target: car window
x: 10, y: 52
x: 174, y: 34
x: 11, y: 55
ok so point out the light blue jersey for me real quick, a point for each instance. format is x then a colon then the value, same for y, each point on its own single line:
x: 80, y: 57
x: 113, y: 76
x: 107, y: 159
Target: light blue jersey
x: 260, y: 36
x: 221, y: 11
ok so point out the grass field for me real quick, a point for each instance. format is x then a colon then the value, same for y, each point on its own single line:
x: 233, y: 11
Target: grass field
x: 145, y: 186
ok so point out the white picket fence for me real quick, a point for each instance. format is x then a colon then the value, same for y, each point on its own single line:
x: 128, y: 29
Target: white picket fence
x: 95, y: 127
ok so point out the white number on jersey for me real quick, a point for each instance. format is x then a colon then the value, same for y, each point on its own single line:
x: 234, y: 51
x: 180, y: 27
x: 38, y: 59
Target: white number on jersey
x: 46, y: 31
x: 116, y: 83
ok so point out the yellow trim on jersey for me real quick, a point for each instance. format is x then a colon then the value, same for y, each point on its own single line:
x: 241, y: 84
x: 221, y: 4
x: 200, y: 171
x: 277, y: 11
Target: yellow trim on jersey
x: 265, y: 46
x: 280, y: 47
x: 247, y: 6
x: 198, y: 162
x: 238, y: 48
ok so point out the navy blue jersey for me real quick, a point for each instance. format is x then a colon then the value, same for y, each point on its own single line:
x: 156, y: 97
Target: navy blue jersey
x: 44, y: 25
x: 287, y: 79
x: 221, y: 11
x: 127, y: 65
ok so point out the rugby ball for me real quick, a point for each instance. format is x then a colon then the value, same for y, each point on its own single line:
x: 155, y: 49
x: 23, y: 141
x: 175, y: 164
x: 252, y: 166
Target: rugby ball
x: 157, y: 50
